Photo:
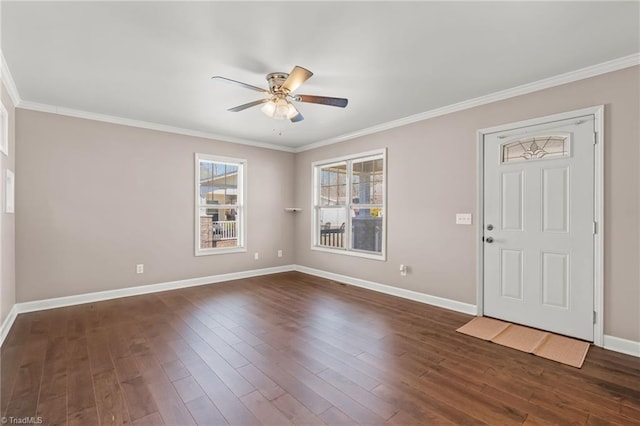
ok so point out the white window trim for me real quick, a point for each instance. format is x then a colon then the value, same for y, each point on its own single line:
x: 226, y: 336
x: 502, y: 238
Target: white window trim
x: 242, y: 205
x: 314, y: 210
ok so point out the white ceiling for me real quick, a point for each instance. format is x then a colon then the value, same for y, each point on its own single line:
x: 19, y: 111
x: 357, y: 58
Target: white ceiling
x: 152, y: 61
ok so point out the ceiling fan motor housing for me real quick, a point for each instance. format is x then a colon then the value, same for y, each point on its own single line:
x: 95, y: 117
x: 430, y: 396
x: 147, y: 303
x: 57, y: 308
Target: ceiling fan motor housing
x: 276, y: 80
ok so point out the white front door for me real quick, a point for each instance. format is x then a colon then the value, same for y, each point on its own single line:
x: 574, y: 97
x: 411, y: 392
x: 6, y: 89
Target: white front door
x: 539, y: 226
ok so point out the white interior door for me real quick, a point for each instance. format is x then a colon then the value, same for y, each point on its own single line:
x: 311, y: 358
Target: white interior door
x: 539, y: 226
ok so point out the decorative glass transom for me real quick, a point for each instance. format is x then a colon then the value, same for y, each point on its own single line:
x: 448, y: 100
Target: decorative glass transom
x: 536, y: 148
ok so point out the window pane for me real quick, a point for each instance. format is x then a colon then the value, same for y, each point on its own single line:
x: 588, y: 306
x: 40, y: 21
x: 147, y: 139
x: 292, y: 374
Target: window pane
x: 536, y: 148
x: 219, y: 183
x: 367, y: 186
x: 218, y: 227
x: 332, y: 225
x: 206, y: 182
x: 366, y: 229
x: 333, y: 185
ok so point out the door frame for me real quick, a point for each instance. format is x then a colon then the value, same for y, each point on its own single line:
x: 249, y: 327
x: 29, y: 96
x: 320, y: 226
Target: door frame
x: 598, y: 266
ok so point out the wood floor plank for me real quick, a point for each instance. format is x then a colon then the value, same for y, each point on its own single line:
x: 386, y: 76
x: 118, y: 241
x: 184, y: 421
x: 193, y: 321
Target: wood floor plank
x: 52, y: 411
x: 98, y: 349
x: 9, y: 360
x: 334, y: 363
x: 268, y: 414
x: 87, y: 416
x: 175, y: 370
x: 238, y: 385
x: 112, y: 409
x: 138, y: 398
x: 234, y: 412
x: 361, y: 395
x: 313, y: 401
x: 166, y: 398
x: 416, y: 404
x: 333, y: 395
x: 333, y: 416
x: 292, y: 348
x: 54, y: 374
x: 126, y: 368
x: 154, y: 419
x: 267, y: 387
x: 296, y: 412
x: 188, y: 389
x: 81, y: 400
x: 205, y: 412
x: 24, y: 397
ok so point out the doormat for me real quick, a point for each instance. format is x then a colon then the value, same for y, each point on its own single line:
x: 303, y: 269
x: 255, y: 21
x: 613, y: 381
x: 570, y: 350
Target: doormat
x: 541, y: 343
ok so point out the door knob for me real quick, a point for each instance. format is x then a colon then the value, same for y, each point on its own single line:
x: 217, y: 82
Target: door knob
x: 489, y: 240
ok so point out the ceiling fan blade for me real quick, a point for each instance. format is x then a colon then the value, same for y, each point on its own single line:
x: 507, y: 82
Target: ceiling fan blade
x: 298, y: 116
x: 249, y: 105
x: 324, y: 100
x: 298, y: 76
x: 241, y: 84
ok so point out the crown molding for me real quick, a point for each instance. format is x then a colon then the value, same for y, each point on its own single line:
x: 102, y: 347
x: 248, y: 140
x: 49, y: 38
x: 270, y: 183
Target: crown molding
x: 7, y: 80
x: 569, y: 77
x: 34, y: 106
x: 10, y: 85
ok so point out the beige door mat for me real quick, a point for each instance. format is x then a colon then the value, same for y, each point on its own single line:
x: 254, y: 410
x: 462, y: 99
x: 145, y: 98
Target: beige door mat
x: 541, y: 343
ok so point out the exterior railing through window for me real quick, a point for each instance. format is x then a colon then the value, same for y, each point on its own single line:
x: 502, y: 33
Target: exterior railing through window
x: 218, y: 233
x: 224, y: 230
x: 332, y: 236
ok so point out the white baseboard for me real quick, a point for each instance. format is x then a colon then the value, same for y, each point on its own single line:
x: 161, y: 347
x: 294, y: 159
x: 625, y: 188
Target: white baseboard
x: 612, y: 343
x: 7, y: 323
x: 441, y: 302
x: 624, y: 346
x: 60, y: 302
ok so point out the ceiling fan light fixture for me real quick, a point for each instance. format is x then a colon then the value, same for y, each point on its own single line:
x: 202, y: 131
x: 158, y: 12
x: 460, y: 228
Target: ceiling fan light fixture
x: 269, y: 109
x: 279, y: 109
x: 292, y: 111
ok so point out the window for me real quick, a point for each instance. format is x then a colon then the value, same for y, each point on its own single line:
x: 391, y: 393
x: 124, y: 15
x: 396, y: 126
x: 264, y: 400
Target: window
x: 535, y: 148
x: 220, y: 207
x: 349, y: 205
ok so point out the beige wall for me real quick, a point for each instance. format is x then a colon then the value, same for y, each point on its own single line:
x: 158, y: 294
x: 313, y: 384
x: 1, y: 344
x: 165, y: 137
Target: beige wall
x: 432, y: 176
x: 84, y: 188
x: 7, y: 248
x: 95, y: 199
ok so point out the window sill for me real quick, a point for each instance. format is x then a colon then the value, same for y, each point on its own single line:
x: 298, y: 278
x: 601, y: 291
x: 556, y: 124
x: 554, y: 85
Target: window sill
x: 213, y: 251
x: 366, y: 255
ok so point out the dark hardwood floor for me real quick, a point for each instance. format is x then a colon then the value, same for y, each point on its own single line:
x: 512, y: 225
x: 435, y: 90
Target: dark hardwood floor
x: 292, y: 349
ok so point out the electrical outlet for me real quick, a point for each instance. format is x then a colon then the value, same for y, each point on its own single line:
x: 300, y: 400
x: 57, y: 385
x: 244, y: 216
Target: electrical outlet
x: 463, y: 218
x: 279, y: 253
x: 139, y: 268
x: 256, y: 255
x: 403, y: 270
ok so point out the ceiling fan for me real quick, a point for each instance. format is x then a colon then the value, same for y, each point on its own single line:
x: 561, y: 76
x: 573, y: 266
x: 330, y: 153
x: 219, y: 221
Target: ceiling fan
x: 281, y: 87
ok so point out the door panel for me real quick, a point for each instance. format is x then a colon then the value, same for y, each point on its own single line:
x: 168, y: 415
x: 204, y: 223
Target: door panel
x: 555, y: 279
x: 512, y: 276
x: 555, y: 199
x: 512, y: 201
x: 539, y: 199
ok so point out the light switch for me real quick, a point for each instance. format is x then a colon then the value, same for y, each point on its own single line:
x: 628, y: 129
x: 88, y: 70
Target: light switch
x: 463, y: 218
